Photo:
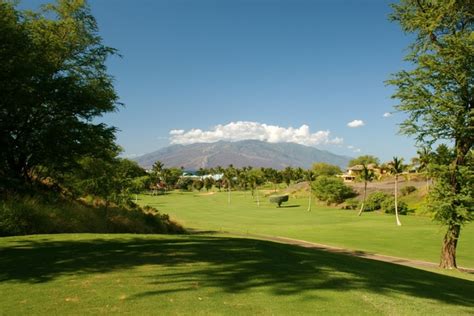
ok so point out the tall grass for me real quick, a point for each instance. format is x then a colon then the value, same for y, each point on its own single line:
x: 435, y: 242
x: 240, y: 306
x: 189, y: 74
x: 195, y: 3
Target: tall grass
x: 50, y: 213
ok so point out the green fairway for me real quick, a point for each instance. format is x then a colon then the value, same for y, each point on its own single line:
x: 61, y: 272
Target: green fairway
x: 205, y: 274
x: 418, y: 238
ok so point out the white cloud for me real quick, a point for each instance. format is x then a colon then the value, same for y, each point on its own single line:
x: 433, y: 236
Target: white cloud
x: 354, y: 149
x: 241, y: 130
x: 387, y: 114
x: 356, y: 123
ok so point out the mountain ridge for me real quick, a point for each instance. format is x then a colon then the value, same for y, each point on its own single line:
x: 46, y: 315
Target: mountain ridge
x: 253, y: 153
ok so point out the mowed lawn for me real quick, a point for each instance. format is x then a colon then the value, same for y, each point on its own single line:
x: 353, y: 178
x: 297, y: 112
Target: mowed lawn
x: 418, y: 238
x: 211, y: 275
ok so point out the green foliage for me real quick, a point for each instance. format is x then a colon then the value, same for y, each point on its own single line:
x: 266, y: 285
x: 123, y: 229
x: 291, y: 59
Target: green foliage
x: 407, y: 190
x: 443, y: 203
x: 366, y: 175
x: 208, y: 183
x: 198, y: 184
x: 351, y: 204
x: 364, y: 160
x: 51, y: 213
x: 184, y: 184
x: 388, y: 206
x: 53, y: 83
x: 279, y: 199
x: 437, y: 95
x: 112, y: 179
x: 325, y: 169
x: 375, y: 200
x: 332, y: 190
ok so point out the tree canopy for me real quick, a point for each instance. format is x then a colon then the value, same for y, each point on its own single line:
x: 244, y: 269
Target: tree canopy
x: 54, y: 84
x: 364, y: 160
x: 437, y: 94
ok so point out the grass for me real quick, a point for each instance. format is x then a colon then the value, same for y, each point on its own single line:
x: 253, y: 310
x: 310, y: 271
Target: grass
x: 419, y: 237
x: 211, y: 275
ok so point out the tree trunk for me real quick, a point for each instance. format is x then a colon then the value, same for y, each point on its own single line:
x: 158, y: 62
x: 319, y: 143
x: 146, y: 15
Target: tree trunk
x: 309, y: 199
x: 363, y: 201
x: 396, y: 201
x: 258, y: 198
x: 448, y: 250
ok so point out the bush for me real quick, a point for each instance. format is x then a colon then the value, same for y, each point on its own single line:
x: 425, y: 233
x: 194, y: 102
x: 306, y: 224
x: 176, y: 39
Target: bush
x: 332, y: 190
x: 42, y: 214
x: 278, y: 199
x: 374, y: 201
x: 185, y: 184
x: 407, y: 190
x: 388, y: 206
x: 351, y: 204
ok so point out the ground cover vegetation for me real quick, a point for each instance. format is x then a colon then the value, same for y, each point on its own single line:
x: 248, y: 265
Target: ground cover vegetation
x: 374, y: 232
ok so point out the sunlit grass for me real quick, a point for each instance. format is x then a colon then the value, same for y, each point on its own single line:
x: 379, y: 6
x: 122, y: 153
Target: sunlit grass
x: 418, y: 238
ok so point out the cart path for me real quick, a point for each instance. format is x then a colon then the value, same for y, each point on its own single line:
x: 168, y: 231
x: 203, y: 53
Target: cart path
x: 354, y: 253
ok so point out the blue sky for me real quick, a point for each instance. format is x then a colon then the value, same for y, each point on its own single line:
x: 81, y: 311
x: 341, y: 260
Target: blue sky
x: 284, y: 70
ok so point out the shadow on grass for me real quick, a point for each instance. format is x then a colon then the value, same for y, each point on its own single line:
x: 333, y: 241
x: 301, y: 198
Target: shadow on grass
x: 232, y: 264
x: 289, y: 206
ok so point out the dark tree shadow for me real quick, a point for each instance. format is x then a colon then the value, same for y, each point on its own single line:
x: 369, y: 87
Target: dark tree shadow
x: 232, y: 264
x: 290, y: 206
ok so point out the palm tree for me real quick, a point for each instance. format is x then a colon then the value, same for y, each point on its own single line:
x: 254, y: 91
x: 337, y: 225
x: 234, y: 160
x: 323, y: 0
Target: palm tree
x: 229, y: 174
x: 309, y: 175
x: 366, y: 176
x: 424, y: 157
x: 396, y: 168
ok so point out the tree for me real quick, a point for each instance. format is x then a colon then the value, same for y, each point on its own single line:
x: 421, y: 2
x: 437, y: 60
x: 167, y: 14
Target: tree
x: 437, y: 94
x: 255, y: 177
x: 157, y: 167
x: 198, y: 184
x: 53, y: 83
x: 325, y: 169
x: 396, y: 168
x: 309, y: 176
x: 332, y: 190
x: 287, y: 175
x: 228, y: 175
x: 364, y: 160
x: 424, y: 157
x: 208, y: 183
x: 367, y: 176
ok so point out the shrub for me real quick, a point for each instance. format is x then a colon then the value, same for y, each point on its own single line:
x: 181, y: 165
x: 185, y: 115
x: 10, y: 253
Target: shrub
x: 43, y: 214
x: 388, y: 206
x: 407, y: 190
x: 351, y: 204
x: 278, y: 199
x: 332, y: 190
x: 374, y: 201
x: 185, y: 184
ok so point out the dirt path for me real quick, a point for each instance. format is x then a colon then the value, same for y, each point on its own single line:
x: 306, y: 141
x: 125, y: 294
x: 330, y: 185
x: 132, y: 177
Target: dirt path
x: 354, y: 253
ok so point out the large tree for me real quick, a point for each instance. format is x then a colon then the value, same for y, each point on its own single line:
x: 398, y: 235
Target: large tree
x: 437, y: 94
x: 53, y: 84
x: 364, y: 160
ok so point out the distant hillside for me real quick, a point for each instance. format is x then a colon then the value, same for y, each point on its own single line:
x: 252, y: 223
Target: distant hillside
x: 242, y: 153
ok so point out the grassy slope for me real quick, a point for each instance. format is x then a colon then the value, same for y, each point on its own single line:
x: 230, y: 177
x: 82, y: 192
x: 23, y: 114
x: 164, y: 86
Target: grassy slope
x: 204, y: 274
x: 418, y: 238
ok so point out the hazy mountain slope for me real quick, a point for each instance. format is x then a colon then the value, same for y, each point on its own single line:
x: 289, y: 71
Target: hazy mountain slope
x: 243, y: 153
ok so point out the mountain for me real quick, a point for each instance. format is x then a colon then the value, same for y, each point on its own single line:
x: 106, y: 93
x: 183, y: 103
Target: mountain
x: 253, y: 153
